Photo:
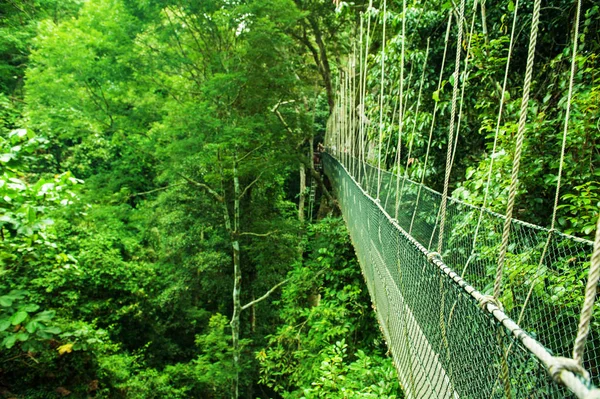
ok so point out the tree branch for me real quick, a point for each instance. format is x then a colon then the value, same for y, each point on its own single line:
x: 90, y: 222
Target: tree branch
x: 314, y: 174
x: 250, y: 152
x: 283, y: 122
x: 250, y: 185
x: 202, y: 185
x: 249, y: 233
x: 254, y: 302
x: 155, y: 190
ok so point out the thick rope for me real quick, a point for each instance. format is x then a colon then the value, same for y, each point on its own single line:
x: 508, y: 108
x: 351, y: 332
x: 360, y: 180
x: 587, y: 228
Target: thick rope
x: 435, y: 108
x: 401, y: 115
x: 384, y: 22
x: 560, y: 164
x: 414, y: 129
x: 590, y: 296
x: 364, y: 64
x: 465, y: 75
x: 518, y: 148
x: 452, y: 124
x: 496, y: 134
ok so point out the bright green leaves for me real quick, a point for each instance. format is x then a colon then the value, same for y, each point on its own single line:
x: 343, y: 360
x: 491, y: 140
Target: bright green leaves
x: 26, y: 199
x: 581, y: 209
x: 19, y: 322
x: 18, y: 317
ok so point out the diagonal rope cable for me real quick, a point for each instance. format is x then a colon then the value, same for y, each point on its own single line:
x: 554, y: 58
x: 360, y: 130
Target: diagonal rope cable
x: 486, y: 189
x: 518, y: 148
x: 364, y: 90
x: 465, y: 76
x: 412, y: 134
x: 452, y: 126
x: 435, y: 109
x: 560, y: 164
x: 594, y: 273
x: 401, y: 115
x: 590, y: 297
x: 384, y: 22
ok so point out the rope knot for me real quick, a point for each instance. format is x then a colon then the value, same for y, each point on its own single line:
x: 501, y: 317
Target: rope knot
x: 560, y: 364
x: 485, y: 299
x: 433, y: 255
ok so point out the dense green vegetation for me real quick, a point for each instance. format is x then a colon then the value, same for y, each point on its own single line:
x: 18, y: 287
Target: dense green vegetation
x: 149, y: 190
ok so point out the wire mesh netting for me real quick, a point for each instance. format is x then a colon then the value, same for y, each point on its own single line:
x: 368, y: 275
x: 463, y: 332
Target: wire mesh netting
x: 443, y: 344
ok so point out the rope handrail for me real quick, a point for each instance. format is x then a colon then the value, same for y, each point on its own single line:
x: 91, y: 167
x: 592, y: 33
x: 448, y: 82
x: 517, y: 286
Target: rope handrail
x: 494, y: 213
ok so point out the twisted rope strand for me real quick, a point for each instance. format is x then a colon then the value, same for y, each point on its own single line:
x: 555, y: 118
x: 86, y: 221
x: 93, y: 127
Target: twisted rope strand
x: 518, y: 148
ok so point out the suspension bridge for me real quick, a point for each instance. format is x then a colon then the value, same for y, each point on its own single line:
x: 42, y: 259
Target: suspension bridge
x: 462, y: 293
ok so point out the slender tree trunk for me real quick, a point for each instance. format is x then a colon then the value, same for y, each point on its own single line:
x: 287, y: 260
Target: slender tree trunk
x: 484, y: 23
x: 237, y: 282
x: 302, y: 193
x: 326, y: 70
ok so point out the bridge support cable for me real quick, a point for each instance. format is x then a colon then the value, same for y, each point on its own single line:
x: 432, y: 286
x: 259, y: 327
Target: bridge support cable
x: 432, y: 125
x: 518, y: 148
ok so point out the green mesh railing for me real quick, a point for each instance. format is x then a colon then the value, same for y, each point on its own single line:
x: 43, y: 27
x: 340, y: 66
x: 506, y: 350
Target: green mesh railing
x: 443, y: 344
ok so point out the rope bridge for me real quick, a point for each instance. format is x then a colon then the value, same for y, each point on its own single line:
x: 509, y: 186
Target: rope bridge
x: 444, y: 344
x: 473, y: 304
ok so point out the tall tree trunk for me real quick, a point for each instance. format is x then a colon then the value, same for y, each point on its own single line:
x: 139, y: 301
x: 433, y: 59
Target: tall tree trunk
x: 302, y: 193
x: 325, y: 68
x: 237, y: 282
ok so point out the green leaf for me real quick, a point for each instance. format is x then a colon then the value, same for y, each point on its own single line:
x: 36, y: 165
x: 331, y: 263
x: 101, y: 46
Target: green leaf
x: 436, y: 96
x: 22, y: 336
x: 32, y: 326
x: 4, y: 324
x: 31, y: 216
x: 43, y: 334
x: 46, y: 315
x: 5, y: 301
x: 30, y: 307
x: 17, y: 294
x: 9, y: 341
x: 18, y: 317
x: 52, y: 330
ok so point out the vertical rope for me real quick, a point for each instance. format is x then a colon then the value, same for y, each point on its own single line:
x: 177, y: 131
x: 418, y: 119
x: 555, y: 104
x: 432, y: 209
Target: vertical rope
x: 361, y: 101
x: 364, y: 92
x: 353, y: 102
x: 381, y: 99
x: 560, y: 164
x: 486, y: 189
x: 465, y: 76
x: 412, y: 134
x: 588, y: 304
x: 400, y: 115
x: 594, y: 273
x: 435, y: 108
x: 518, y: 148
x: 396, y: 159
x: 449, y: 151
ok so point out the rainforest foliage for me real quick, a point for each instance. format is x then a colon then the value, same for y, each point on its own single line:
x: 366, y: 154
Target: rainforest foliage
x: 151, y: 160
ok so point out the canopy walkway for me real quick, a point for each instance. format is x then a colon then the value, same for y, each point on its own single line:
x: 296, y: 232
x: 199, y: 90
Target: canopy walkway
x: 472, y: 303
x: 444, y: 344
